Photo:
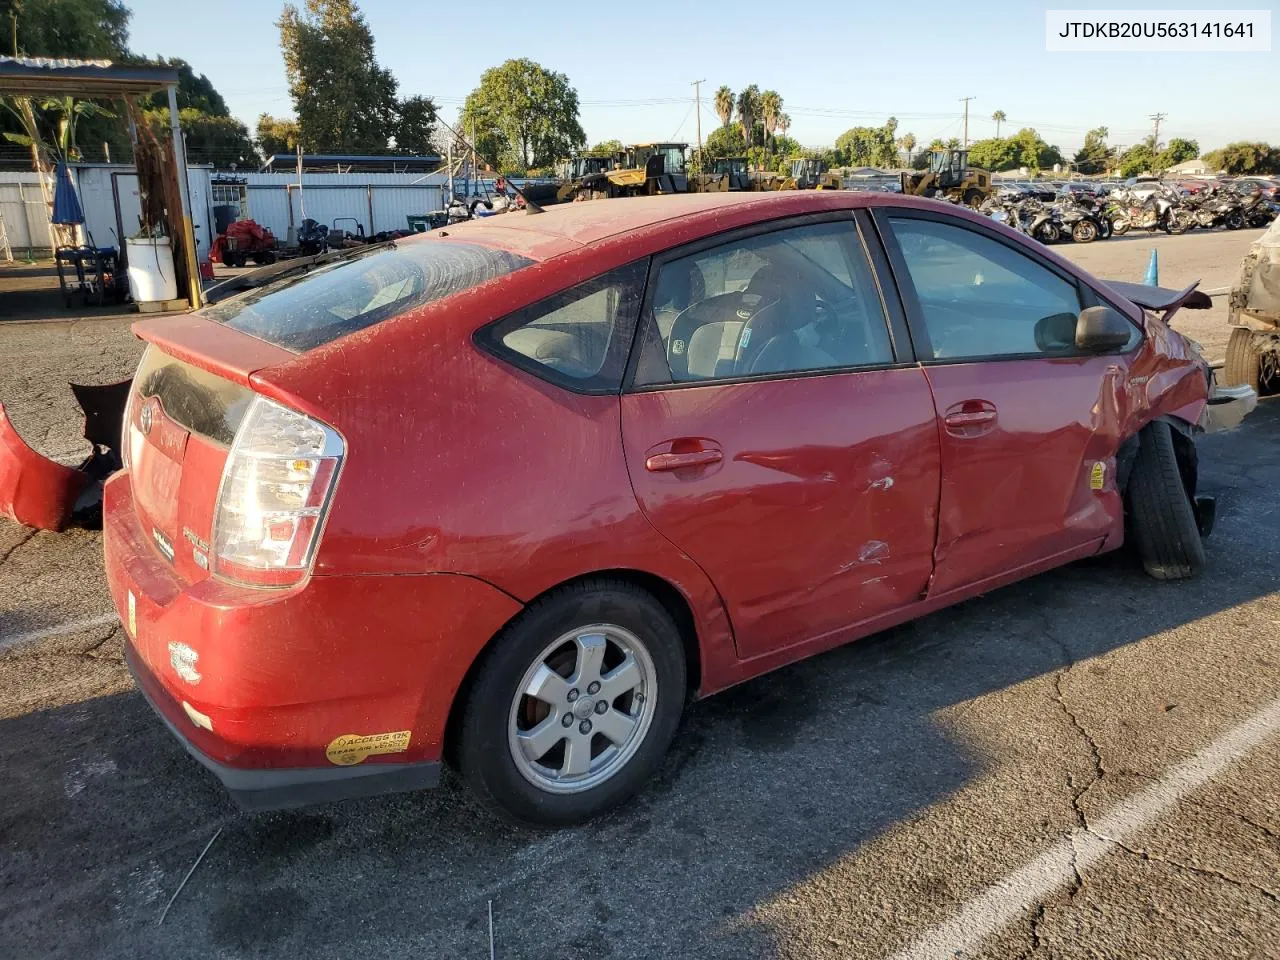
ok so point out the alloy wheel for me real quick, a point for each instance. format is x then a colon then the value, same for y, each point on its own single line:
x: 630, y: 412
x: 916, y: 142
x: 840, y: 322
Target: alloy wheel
x: 582, y: 709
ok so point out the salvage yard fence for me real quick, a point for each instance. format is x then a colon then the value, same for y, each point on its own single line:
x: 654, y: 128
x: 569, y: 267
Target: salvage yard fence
x: 376, y: 201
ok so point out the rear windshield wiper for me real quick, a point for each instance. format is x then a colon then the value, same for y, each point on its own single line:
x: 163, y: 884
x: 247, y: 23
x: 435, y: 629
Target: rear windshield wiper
x: 253, y: 279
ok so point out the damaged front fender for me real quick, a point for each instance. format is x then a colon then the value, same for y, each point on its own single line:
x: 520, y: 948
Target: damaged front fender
x: 38, y: 492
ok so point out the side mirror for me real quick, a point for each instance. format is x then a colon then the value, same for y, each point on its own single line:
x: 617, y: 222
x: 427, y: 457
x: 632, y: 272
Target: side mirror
x: 1102, y: 330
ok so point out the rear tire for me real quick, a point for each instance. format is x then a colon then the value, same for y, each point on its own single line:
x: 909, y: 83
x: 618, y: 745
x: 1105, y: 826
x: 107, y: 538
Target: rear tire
x: 1234, y: 220
x: 520, y: 781
x: 973, y: 198
x: 1163, y: 518
x: 1244, y: 360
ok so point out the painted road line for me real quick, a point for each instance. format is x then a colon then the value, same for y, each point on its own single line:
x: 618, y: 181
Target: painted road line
x: 1008, y: 899
x: 61, y: 629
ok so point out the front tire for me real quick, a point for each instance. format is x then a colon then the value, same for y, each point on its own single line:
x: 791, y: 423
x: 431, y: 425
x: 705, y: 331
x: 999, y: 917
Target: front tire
x: 574, y: 705
x: 1084, y: 231
x: 1234, y: 220
x: 1164, y: 520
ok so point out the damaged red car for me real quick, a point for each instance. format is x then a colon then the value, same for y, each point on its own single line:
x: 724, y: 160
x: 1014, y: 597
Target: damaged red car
x: 508, y: 495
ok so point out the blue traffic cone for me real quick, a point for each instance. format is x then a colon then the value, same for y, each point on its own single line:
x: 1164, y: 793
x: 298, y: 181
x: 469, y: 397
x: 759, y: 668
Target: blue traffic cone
x: 1152, y: 279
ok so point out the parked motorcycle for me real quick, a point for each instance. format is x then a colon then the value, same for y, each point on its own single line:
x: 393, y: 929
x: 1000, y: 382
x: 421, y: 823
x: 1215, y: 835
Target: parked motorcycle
x: 1160, y: 210
x: 1215, y: 209
x: 1081, y: 221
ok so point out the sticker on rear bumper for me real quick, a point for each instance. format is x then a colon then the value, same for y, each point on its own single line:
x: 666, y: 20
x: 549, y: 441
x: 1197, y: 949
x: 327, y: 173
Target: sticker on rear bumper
x: 133, y: 616
x: 351, y: 748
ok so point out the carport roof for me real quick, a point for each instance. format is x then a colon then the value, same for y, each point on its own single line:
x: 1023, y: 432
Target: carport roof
x: 39, y: 76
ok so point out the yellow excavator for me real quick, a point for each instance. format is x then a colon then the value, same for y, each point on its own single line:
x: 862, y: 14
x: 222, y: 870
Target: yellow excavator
x: 582, y: 173
x: 950, y: 175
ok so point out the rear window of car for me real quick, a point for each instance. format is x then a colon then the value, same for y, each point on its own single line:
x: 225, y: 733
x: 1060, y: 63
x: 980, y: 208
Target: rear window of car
x: 302, y: 311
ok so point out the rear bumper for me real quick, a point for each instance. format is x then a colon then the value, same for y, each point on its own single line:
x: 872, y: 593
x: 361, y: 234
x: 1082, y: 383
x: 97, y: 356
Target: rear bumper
x: 293, y: 786
x: 1227, y: 407
x: 339, y: 688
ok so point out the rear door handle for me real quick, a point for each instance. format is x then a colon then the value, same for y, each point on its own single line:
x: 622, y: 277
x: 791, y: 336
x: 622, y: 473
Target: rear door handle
x: 674, y: 461
x: 970, y: 418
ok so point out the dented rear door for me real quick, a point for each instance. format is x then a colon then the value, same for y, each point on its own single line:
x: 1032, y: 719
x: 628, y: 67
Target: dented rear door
x: 809, y: 497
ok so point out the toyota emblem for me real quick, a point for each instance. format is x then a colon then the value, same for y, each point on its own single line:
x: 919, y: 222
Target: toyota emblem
x: 146, y: 416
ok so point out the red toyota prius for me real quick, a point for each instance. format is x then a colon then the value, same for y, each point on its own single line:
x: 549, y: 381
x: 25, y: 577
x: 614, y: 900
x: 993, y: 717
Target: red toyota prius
x: 509, y: 494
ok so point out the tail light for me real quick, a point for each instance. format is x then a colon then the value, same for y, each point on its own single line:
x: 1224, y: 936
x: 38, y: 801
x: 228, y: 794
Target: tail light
x: 275, y: 490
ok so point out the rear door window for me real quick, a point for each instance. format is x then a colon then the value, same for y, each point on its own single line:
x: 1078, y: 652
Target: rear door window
x: 302, y: 311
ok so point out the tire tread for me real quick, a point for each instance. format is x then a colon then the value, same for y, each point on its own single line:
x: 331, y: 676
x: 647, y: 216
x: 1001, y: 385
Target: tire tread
x: 1164, y: 522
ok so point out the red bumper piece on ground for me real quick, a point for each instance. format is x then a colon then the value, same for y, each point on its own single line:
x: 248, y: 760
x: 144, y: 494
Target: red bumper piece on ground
x: 35, y: 490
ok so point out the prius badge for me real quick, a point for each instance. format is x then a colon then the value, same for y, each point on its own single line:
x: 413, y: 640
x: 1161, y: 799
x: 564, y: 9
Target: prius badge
x: 147, y: 416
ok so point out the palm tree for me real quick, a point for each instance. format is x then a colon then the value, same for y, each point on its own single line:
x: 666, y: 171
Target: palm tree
x: 784, y: 123
x: 999, y: 118
x: 724, y: 105
x: 908, y: 143
x: 748, y: 112
x: 770, y: 110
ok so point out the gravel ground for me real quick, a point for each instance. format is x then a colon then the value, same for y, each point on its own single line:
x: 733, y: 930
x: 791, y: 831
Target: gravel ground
x: 844, y: 807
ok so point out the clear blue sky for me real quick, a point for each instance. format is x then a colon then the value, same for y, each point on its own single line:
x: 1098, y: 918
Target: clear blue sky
x: 836, y: 65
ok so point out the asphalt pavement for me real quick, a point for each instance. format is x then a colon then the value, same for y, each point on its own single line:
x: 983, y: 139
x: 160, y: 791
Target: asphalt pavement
x: 1083, y: 765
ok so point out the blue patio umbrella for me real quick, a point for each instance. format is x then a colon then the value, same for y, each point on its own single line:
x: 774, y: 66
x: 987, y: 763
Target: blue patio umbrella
x: 66, y: 205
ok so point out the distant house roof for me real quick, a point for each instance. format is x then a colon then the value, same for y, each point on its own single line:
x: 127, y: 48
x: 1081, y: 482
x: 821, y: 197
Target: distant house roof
x: 868, y: 172
x: 42, y: 76
x: 1189, y: 166
x: 345, y: 162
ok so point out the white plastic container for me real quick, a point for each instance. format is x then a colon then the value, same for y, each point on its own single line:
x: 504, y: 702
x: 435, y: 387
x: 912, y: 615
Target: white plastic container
x: 151, y: 275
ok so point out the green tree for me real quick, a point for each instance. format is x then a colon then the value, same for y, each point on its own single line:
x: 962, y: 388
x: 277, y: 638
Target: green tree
x: 524, y: 114
x: 221, y: 141
x: 996, y: 153
x: 1244, y: 157
x: 344, y: 101
x: 749, y: 112
x: 82, y: 29
x: 869, y: 146
x: 1138, y: 159
x: 999, y: 118
x: 1177, y: 151
x: 725, y: 141
x: 1095, y: 156
x: 606, y: 148
x: 277, y: 135
x: 195, y: 91
x: 1033, y: 152
x: 770, y: 111
x: 415, y: 127
x: 724, y: 105
x: 908, y: 143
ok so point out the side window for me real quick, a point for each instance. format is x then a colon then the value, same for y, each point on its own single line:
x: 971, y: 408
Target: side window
x: 578, y: 338
x: 790, y: 301
x: 982, y: 298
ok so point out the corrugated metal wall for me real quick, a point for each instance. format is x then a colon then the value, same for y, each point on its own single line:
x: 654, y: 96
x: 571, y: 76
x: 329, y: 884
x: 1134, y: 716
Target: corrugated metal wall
x: 378, y: 201
x: 26, y: 216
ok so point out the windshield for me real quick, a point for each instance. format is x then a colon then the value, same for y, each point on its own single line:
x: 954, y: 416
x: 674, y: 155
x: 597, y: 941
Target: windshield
x: 675, y: 159
x: 302, y: 311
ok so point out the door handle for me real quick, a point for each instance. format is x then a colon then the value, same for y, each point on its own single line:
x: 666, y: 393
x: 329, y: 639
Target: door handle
x: 970, y: 418
x: 675, y: 461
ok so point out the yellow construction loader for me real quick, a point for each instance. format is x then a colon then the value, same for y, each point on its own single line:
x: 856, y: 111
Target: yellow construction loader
x: 640, y: 170
x: 949, y: 175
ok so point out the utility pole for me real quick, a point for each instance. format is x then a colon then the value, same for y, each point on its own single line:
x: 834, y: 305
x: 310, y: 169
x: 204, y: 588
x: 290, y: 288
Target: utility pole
x: 1156, y: 117
x: 965, y: 101
x: 697, y: 99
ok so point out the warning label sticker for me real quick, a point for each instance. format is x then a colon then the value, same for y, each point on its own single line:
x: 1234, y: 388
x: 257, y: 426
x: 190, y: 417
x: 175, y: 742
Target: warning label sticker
x: 1098, y: 476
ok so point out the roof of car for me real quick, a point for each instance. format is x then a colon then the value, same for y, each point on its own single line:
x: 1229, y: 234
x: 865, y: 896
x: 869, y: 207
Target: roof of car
x: 561, y: 227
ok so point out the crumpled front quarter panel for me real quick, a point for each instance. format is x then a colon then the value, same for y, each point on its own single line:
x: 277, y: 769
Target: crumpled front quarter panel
x: 1168, y: 377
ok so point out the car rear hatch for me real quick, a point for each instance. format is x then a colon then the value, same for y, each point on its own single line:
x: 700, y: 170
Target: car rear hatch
x: 189, y: 396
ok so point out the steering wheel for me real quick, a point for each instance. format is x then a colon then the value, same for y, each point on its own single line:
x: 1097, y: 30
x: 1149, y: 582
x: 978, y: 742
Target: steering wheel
x: 733, y: 307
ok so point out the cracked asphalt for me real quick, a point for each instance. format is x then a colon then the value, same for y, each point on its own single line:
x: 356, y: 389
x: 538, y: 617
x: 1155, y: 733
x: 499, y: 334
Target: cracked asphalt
x: 840, y: 808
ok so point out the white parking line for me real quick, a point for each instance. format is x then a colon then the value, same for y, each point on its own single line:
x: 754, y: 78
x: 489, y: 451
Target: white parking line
x: 1006, y: 900
x: 74, y: 626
